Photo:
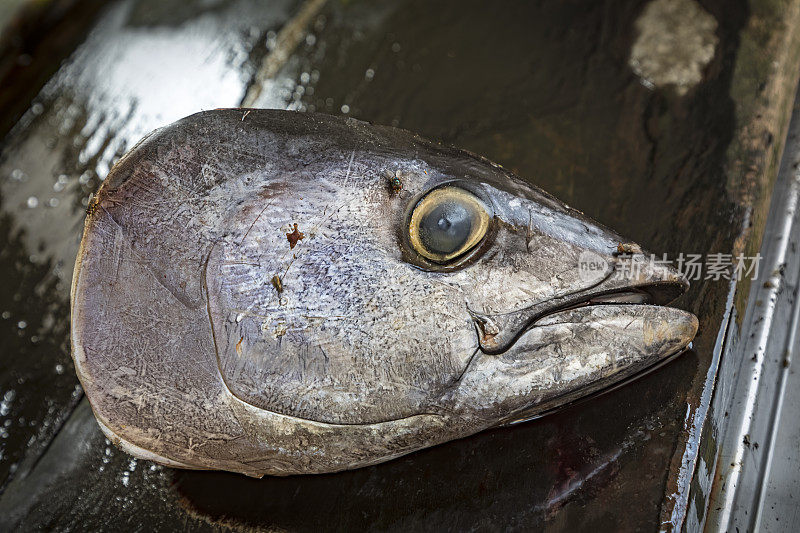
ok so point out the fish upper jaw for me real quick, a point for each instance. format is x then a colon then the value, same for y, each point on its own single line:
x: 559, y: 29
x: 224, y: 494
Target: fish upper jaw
x: 628, y: 279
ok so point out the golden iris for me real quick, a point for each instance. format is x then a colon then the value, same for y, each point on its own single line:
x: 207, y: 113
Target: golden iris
x: 447, y: 223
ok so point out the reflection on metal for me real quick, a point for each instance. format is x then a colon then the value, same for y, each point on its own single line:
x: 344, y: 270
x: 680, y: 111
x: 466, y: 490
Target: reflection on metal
x: 755, y: 405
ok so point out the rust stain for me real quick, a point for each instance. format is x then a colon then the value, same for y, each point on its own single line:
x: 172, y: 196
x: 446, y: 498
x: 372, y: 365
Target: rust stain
x: 239, y: 346
x: 294, y: 236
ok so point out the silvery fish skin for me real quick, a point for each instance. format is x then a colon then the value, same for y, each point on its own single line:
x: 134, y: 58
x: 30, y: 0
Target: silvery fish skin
x: 248, y: 297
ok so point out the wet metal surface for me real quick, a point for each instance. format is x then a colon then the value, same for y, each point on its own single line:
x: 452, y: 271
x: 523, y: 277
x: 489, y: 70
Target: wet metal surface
x: 751, y: 481
x: 545, y: 89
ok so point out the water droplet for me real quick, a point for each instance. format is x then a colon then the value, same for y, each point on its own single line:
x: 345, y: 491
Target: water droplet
x: 33, y: 202
x: 345, y: 109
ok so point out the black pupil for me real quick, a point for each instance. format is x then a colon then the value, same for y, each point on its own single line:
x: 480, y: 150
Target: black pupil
x: 446, y: 228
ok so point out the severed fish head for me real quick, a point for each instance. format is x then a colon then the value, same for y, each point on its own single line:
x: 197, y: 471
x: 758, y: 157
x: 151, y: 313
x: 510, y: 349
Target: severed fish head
x: 269, y: 292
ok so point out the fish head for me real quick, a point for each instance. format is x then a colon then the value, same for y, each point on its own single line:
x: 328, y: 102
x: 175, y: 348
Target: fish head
x: 321, y: 293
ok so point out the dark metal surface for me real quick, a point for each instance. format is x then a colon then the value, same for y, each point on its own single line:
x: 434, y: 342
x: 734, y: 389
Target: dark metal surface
x: 546, y: 90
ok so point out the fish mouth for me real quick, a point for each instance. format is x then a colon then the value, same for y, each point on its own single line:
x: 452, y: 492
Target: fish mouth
x: 498, y: 333
x: 577, y: 347
x: 572, y: 348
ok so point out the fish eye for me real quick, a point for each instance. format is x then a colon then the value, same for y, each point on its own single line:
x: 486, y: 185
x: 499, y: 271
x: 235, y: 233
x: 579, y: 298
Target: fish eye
x: 447, y: 223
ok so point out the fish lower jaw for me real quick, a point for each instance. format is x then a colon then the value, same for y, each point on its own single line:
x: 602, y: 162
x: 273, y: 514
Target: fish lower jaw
x: 579, y: 397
